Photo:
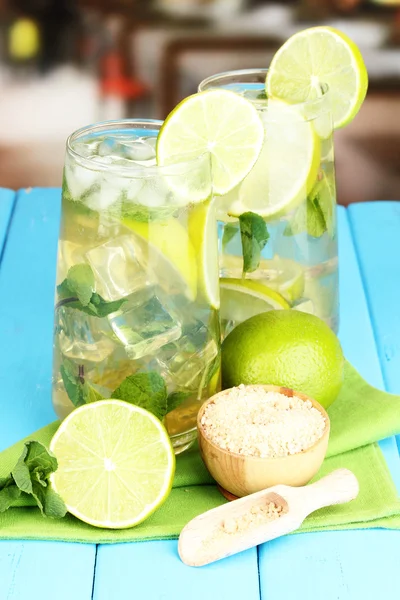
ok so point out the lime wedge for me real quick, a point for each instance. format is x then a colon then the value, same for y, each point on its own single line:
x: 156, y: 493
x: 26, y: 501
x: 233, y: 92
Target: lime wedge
x: 204, y: 236
x: 280, y: 274
x: 286, y: 168
x: 244, y: 298
x: 219, y: 122
x: 169, y: 250
x: 115, y: 464
x: 314, y: 57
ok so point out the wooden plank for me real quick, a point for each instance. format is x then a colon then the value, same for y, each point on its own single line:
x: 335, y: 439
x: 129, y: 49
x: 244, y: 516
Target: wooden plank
x: 7, y: 198
x: 154, y: 570
x: 35, y: 570
x: 350, y: 565
x: 376, y: 227
x: 355, y: 330
x: 27, y: 279
x: 46, y: 570
x: 344, y: 565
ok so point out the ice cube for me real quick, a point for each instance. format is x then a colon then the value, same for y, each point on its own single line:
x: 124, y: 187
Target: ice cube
x: 107, y: 193
x: 117, y: 266
x: 86, y: 148
x: 139, y: 151
x: 79, y: 179
x: 81, y: 337
x: 152, y: 195
x: 107, y: 146
x: 145, y: 323
x: 151, y: 141
x: 187, y: 360
x: 69, y: 254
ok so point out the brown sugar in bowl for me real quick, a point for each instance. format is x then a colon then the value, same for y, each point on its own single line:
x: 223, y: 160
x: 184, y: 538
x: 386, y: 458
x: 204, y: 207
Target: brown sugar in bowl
x: 242, y: 474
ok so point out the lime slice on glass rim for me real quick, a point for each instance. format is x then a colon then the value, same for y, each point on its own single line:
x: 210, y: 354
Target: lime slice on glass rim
x: 286, y: 168
x: 314, y: 57
x: 218, y: 122
x: 244, y: 298
x: 115, y: 463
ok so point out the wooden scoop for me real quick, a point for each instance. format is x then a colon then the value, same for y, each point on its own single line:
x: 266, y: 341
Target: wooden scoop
x: 207, y: 538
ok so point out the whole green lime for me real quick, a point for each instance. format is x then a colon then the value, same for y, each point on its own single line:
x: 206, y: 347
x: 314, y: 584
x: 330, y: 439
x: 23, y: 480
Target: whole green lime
x: 287, y: 348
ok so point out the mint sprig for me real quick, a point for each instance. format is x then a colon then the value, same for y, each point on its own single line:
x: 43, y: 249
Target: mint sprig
x: 78, y: 292
x: 254, y: 235
x: 79, y: 390
x: 316, y: 215
x: 148, y: 390
x: 31, y: 476
x: 175, y: 399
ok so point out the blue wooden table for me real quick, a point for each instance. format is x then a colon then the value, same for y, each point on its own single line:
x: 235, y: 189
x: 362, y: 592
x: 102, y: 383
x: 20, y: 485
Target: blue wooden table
x: 342, y: 565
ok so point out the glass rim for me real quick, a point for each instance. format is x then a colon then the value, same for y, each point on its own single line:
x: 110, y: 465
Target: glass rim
x: 218, y: 79
x: 178, y: 168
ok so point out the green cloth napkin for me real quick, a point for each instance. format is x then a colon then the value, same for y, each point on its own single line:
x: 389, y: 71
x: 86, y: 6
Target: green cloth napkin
x: 360, y: 416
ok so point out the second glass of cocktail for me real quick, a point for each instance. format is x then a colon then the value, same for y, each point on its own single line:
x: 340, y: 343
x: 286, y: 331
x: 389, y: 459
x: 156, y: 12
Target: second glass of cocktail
x: 136, y: 315
x: 277, y: 228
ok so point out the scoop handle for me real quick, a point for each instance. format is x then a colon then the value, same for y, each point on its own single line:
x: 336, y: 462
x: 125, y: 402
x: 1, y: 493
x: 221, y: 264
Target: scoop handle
x: 338, y: 487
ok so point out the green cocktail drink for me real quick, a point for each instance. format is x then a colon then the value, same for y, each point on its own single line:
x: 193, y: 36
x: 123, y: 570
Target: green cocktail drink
x: 278, y: 235
x: 136, y: 315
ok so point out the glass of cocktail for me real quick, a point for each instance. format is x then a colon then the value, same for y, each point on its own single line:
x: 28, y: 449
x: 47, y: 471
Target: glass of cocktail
x: 277, y: 227
x: 136, y: 313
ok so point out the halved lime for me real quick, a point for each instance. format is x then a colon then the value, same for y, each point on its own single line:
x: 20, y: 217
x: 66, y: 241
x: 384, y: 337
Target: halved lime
x: 204, y: 236
x: 280, y: 274
x: 219, y: 122
x: 115, y: 464
x: 169, y: 251
x: 244, y: 298
x: 314, y: 57
x: 286, y: 168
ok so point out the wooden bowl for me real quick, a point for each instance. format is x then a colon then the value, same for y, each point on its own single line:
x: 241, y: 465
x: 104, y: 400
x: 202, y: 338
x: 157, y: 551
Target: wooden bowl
x: 242, y: 475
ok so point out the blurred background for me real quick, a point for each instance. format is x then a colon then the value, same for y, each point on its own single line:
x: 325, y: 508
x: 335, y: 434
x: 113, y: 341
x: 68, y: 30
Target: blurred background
x: 68, y: 63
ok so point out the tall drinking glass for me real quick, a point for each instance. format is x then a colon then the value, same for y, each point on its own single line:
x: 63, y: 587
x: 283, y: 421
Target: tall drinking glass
x: 292, y: 187
x: 135, y: 317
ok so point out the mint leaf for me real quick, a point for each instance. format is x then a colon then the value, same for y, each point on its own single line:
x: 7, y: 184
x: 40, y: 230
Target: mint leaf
x: 230, y: 230
x: 147, y: 390
x: 81, y: 282
x: 97, y: 307
x: 254, y: 234
x: 90, y: 394
x: 78, y: 292
x: 31, y: 476
x: 139, y: 212
x: 101, y: 308
x: 72, y: 383
x: 8, y: 496
x: 50, y: 503
x: 38, y: 459
x: 175, y: 399
x: 316, y: 215
x: 307, y: 218
x: 21, y: 474
x: 79, y: 391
